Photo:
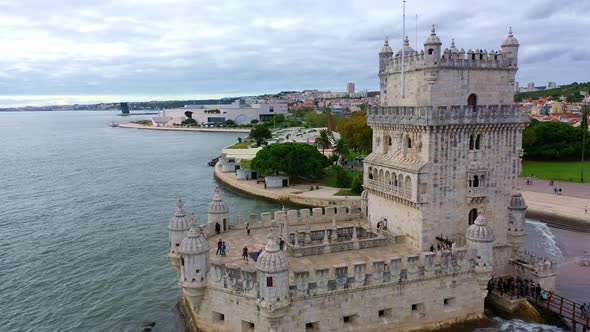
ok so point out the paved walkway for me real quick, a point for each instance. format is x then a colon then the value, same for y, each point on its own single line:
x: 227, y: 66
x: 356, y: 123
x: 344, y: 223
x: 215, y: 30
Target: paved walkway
x: 138, y: 126
x: 573, y: 189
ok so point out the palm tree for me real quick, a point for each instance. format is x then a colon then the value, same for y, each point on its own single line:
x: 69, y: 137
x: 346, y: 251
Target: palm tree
x: 323, y: 141
x: 341, y: 149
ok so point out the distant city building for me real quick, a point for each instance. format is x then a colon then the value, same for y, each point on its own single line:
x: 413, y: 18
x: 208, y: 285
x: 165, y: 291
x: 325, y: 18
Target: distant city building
x: 350, y: 88
x: 125, y: 108
x: 516, y: 87
x: 551, y: 85
x: 531, y: 86
x: 237, y: 111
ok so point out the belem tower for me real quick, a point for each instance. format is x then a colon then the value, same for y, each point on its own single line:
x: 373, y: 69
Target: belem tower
x: 442, y: 175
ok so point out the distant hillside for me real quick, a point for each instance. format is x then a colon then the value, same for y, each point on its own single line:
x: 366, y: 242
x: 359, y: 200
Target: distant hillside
x: 571, y: 91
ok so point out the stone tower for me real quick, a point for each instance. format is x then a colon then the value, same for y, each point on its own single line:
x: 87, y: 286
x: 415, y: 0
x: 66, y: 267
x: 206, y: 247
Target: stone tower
x: 446, y: 144
x: 177, y: 229
x: 273, y: 282
x: 194, y: 265
x: 218, y: 213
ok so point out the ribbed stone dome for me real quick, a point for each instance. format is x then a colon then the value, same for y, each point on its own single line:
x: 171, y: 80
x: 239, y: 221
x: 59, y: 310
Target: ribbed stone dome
x: 517, y: 202
x: 180, y: 222
x: 386, y: 48
x: 510, y: 40
x: 433, y: 38
x: 217, y: 205
x: 407, y: 49
x: 365, y: 194
x: 194, y: 243
x: 272, y: 260
x: 480, y: 231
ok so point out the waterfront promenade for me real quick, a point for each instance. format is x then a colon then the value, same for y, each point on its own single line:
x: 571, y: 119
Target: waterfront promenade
x: 563, y: 211
x: 199, y: 129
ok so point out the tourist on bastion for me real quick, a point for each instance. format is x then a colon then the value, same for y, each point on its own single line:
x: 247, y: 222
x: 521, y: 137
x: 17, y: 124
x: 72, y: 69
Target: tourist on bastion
x: 219, y: 244
x: 245, y: 253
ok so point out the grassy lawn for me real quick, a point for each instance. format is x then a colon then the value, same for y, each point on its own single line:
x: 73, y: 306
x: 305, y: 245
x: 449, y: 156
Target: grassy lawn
x: 245, y: 163
x: 555, y: 170
x: 243, y: 145
x: 330, y: 179
x: 346, y: 192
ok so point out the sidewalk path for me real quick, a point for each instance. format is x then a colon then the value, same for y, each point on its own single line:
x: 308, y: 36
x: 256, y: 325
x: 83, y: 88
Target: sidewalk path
x: 221, y: 130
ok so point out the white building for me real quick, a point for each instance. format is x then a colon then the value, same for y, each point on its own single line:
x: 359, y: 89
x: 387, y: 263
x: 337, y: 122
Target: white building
x: 218, y: 114
x: 350, y: 88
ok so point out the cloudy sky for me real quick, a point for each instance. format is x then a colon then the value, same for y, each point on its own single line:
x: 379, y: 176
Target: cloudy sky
x: 67, y: 51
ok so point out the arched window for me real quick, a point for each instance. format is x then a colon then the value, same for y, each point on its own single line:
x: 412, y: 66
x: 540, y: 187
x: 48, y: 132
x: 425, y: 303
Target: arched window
x: 475, y: 181
x: 370, y: 173
x: 268, y: 281
x: 400, y: 181
x: 471, y: 142
x: 408, y: 142
x: 430, y: 51
x: 394, y: 176
x: 182, y: 261
x: 389, y: 140
x: 477, y: 141
x: 408, y: 183
x: 472, y: 101
x: 472, y: 216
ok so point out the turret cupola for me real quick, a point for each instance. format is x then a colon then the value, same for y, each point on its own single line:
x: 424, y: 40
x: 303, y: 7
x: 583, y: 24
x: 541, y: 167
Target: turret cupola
x: 178, y: 227
x: 218, y: 214
x: 480, y: 240
x: 408, y: 50
x: 510, y: 49
x: 432, y: 46
x: 516, y: 222
x: 194, y: 265
x: 273, y: 276
x: 385, y: 55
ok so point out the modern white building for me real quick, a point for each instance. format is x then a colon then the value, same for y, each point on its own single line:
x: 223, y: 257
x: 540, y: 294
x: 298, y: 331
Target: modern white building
x: 238, y: 112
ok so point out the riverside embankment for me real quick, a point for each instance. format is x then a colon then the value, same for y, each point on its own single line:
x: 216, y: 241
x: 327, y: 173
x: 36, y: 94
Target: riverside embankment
x: 560, y: 211
x: 198, y: 129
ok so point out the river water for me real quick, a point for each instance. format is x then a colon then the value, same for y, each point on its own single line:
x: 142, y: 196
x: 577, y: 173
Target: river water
x: 83, y: 215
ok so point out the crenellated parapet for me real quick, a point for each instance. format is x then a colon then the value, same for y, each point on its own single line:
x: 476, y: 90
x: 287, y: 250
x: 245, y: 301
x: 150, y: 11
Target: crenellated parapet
x: 446, y: 115
x: 302, y: 217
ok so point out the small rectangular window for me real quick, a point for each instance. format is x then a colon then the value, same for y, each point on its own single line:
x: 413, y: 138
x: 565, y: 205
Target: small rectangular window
x: 350, y: 320
x: 268, y: 281
x: 312, y: 327
x: 418, y: 307
x: 247, y: 326
x: 385, y: 313
x: 449, y: 302
x: 218, y: 318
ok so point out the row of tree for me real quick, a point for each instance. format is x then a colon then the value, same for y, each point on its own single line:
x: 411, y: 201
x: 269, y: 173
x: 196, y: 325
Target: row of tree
x: 554, y: 141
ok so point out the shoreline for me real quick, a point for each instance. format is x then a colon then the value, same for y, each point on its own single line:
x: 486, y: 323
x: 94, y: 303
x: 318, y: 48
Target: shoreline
x: 199, y: 129
x: 564, y: 212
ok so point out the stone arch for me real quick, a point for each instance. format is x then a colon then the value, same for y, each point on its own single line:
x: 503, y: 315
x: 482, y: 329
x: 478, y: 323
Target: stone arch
x: 400, y: 180
x: 380, y: 176
x: 478, y: 142
x: 370, y: 172
x: 407, y: 142
x: 472, y: 101
x: 408, y: 183
x: 394, y: 179
x: 471, y: 142
x: 387, y: 177
x: 389, y: 140
x: 472, y: 216
x: 475, y: 182
x: 375, y: 174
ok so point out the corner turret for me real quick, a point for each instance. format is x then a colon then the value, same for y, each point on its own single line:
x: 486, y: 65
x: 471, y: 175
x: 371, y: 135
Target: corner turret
x: 178, y: 227
x: 218, y: 214
x: 480, y: 245
x: 194, y: 265
x: 385, y: 55
x: 516, y: 222
x: 432, y: 47
x: 510, y: 49
x: 273, y: 281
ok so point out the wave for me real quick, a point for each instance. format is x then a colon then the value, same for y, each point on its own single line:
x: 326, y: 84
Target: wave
x: 517, y: 325
x: 541, y: 241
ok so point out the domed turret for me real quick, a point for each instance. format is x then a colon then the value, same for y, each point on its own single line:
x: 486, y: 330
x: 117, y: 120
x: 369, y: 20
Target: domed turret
x: 516, y: 222
x: 480, y: 240
x: 273, y: 276
x: 510, y: 49
x: 194, y: 265
x: 218, y: 214
x: 178, y: 227
x: 385, y: 55
x: 408, y: 50
x: 432, y: 46
x: 453, y: 49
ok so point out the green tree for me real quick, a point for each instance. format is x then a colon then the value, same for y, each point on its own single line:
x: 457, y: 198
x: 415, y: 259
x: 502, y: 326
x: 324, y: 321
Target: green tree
x: 230, y: 123
x: 254, y: 122
x: 585, y: 112
x: 259, y: 133
x: 341, y: 149
x: 189, y: 122
x: 323, y: 141
x: 296, y: 160
x: 342, y: 178
x: 357, y: 185
x: 356, y: 132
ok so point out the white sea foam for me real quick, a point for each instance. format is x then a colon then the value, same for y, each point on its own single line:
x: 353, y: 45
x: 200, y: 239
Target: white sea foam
x: 517, y: 325
x: 541, y: 241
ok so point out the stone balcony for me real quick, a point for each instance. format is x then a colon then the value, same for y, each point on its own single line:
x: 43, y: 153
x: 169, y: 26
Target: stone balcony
x: 446, y: 115
x: 477, y: 192
x: 389, y: 189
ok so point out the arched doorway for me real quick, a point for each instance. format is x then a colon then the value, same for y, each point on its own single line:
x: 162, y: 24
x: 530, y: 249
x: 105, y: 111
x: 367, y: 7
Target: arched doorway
x: 472, y: 216
x: 472, y: 101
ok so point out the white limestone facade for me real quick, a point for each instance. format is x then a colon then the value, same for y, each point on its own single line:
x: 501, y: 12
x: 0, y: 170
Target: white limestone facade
x: 443, y: 173
x: 446, y: 144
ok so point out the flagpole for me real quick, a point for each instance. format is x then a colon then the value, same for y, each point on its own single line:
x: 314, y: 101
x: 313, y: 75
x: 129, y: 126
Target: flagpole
x: 403, y: 49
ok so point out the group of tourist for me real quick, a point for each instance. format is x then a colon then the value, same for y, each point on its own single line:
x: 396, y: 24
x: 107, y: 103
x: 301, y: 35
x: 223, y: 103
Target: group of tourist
x: 440, y: 247
x: 519, y: 287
